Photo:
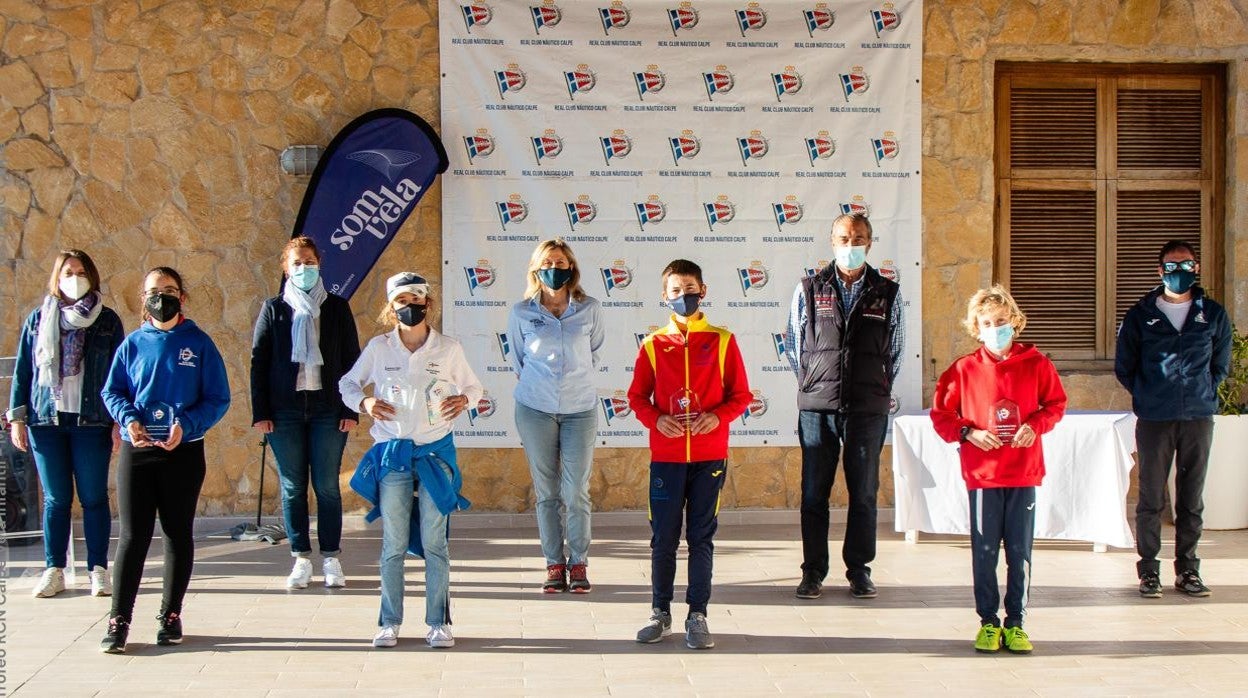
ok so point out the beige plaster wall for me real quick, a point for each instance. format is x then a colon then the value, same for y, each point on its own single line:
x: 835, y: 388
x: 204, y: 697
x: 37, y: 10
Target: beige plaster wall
x: 147, y: 132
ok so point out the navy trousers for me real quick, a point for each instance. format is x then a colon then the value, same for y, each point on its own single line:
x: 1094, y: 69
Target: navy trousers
x: 1002, y: 514
x: 688, y: 492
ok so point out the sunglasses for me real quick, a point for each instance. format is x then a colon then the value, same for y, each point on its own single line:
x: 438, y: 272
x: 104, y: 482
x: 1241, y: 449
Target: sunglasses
x: 1185, y: 265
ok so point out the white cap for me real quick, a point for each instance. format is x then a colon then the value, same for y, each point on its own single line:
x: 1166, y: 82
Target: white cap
x: 406, y: 282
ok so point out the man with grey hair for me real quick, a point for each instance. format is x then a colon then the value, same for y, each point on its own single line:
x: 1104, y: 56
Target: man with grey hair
x: 844, y: 341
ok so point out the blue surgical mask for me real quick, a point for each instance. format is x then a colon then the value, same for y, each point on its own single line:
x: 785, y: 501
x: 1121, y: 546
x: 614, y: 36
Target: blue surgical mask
x: 997, y: 339
x: 686, y: 305
x: 1178, y: 281
x: 850, y: 257
x: 304, y: 276
x: 554, y: 278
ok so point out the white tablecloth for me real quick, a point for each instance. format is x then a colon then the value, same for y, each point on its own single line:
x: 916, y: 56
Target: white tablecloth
x: 1088, y: 465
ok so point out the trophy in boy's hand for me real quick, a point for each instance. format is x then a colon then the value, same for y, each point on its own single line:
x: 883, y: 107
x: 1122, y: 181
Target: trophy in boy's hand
x: 1005, y: 420
x: 685, y: 407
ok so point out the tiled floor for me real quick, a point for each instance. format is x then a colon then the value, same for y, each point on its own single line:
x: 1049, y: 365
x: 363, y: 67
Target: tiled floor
x: 247, y: 636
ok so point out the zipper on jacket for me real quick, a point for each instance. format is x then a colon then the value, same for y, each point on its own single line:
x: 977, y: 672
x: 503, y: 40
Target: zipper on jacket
x: 688, y: 433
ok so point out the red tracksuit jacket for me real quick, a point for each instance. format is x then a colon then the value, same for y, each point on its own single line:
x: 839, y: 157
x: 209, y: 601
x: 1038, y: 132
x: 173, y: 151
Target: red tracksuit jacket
x: 965, y: 395
x: 708, y: 362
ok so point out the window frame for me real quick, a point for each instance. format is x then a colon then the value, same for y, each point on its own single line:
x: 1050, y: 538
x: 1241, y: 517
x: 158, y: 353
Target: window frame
x: 1106, y: 179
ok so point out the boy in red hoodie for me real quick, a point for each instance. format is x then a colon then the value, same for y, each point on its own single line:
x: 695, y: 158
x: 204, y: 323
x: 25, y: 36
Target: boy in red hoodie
x: 996, y: 402
x: 688, y: 384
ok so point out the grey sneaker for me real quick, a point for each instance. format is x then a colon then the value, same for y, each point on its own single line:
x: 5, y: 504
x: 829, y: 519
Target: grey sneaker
x: 697, y: 635
x: 659, y: 627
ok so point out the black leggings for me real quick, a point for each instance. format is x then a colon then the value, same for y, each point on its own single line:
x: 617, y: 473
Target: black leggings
x: 151, y: 482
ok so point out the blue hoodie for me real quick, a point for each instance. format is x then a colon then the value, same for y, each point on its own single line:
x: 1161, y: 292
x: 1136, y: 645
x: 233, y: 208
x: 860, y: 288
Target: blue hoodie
x: 180, y: 367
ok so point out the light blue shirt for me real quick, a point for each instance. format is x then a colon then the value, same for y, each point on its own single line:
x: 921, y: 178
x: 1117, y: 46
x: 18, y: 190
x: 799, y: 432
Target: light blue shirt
x: 556, y: 357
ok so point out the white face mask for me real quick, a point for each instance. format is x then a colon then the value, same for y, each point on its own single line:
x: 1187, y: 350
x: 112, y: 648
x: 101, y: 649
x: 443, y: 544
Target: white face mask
x: 75, y: 287
x: 850, y: 257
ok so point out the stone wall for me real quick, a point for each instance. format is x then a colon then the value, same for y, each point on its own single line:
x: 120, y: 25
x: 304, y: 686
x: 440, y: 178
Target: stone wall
x: 147, y: 132
x: 963, y: 40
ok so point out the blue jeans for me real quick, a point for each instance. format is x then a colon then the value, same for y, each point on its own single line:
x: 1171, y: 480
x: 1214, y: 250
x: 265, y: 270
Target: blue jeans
x: 310, y: 444
x: 822, y: 436
x: 396, y: 515
x: 65, y: 456
x: 560, y: 451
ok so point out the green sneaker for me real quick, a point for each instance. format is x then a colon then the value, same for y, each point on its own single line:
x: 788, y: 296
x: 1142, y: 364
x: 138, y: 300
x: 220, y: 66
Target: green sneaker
x: 1016, y: 641
x: 989, y: 638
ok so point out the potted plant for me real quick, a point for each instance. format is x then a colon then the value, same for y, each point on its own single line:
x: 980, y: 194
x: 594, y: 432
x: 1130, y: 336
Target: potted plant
x: 1226, y: 483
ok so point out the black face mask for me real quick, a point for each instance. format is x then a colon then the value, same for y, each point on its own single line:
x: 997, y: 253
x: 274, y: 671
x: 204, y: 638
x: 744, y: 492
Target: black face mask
x: 411, y: 315
x: 163, y: 308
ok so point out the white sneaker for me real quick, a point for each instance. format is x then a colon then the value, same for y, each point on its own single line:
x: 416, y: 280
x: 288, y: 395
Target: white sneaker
x: 334, y: 578
x: 300, y: 574
x: 50, y: 584
x: 440, y: 636
x: 101, y: 584
x: 388, y: 636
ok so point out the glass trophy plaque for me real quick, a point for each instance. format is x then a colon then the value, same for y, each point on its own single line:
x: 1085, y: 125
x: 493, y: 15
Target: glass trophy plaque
x: 401, y: 395
x: 158, y: 420
x: 1005, y: 420
x: 685, y: 407
x: 436, y: 391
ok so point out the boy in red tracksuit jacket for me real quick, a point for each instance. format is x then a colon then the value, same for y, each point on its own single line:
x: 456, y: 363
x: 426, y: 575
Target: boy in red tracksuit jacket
x: 688, y: 384
x: 996, y: 402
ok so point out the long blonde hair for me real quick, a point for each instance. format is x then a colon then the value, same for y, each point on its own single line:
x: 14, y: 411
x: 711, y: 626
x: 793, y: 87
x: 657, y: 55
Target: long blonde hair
x: 534, y: 289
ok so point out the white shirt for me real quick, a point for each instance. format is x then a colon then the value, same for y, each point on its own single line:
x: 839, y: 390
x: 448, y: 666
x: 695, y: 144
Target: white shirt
x: 1175, y: 312
x: 309, y: 377
x: 385, y: 362
x: 70, y: 400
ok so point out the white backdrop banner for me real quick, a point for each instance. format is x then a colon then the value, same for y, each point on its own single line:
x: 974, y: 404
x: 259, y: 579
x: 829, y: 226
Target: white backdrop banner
x: 730, y: 134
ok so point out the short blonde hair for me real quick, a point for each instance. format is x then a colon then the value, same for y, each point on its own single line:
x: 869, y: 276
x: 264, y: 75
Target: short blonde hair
x: 534, y: 288
x: 992, y: 298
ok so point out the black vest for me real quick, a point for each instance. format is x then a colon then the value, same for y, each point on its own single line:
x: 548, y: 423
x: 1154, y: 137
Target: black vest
x: 845, y: 364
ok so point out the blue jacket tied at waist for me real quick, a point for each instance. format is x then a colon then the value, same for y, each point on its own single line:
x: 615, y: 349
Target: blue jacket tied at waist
x: 436, y: 470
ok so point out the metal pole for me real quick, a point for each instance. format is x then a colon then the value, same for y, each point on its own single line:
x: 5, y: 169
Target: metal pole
x: 264, y: 452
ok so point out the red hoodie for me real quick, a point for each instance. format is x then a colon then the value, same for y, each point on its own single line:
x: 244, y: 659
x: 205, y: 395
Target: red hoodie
x: 965, y: 395
x: 708, y: 362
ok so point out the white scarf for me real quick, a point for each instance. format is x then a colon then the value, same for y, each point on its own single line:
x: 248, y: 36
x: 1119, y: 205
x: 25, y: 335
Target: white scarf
x: 305, y: 341
x: 52, y: 319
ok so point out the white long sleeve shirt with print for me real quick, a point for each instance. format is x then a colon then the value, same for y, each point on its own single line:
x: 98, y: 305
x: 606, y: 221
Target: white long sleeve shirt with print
x: 385, y: 361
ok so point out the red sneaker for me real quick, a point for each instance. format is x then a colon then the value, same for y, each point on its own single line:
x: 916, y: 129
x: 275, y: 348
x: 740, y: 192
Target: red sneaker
x: 579, y: 583
x: 556, y: 579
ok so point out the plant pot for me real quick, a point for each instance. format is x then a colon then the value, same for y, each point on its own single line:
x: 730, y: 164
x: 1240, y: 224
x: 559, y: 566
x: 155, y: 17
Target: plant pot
x: 1226, y: 481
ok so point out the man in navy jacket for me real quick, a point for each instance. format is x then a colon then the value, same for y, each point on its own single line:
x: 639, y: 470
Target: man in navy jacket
x: 1174, y: 349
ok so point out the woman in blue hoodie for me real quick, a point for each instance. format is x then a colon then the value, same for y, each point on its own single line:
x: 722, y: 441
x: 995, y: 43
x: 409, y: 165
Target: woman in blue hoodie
x: 166, y: 376
x: 63, y: 355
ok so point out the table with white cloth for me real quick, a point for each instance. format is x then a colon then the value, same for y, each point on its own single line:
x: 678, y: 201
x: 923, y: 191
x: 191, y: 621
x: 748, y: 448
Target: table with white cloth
x: 1087, y: 459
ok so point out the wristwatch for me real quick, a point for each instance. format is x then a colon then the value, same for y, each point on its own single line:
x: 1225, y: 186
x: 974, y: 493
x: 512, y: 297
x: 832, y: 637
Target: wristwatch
x: 965, y: 432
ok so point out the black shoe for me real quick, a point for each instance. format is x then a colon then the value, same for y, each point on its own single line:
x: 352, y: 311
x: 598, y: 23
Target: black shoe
x: 1150, y: 585
x: 115, y: 641
x: 811, y: 587
x: 170, y: 632
x: 860, y: 586
x: 1189, y: 583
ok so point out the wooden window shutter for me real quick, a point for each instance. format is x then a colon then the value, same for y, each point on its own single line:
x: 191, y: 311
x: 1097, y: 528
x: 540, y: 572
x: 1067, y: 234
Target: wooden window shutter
x: 1144, y: 221
x: 1159, y: 129
x: 1053, y: 248
x: 1053, y: 128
